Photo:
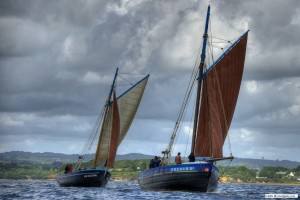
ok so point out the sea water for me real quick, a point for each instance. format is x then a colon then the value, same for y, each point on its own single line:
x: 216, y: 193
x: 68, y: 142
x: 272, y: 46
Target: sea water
x: 49, y: 189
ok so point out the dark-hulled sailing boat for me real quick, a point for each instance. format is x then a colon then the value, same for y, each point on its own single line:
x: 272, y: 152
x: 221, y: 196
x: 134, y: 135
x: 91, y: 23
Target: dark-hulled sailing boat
x: 113, y: 123
x: 217, y: 93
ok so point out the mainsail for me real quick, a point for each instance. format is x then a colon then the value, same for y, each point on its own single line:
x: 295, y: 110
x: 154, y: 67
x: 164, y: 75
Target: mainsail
x: 221, y: 85
x: 113, y: 129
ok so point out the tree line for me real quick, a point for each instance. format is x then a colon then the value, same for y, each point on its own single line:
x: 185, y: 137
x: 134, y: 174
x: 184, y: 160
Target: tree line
x: 129, y: 169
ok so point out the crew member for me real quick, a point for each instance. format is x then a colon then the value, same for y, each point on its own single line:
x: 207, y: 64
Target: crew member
x: 178, y: 159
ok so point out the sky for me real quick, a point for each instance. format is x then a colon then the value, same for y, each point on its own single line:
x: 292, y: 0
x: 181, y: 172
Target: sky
x: 58, y: 58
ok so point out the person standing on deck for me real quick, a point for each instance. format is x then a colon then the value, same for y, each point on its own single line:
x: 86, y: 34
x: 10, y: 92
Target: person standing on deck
x: 67, y: 168
x: 178, y: 159
x: 191, y: 157
x: 155, y: 162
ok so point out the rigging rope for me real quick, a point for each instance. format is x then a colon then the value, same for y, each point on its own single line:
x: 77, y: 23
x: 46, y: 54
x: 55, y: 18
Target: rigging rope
x: 90, y: 141
x: 130, y: 83
x: 177, y: 127
x: 132, y: 74
x: 190, y: 128
x: 220, y: 175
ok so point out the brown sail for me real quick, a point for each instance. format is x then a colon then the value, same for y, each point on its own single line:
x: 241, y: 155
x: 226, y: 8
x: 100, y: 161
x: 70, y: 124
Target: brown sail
x: 115, y: 132
x: 219, y: 96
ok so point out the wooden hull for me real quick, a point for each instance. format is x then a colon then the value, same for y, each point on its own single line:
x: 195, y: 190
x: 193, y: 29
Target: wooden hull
x: 85, y: 178
x: 200, y: 177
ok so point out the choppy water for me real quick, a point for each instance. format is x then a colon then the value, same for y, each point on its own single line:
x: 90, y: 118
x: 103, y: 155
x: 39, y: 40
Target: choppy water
x: 49, y: 189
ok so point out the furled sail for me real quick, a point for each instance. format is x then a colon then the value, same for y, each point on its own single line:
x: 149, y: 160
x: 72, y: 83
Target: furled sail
x: 127, y: 105
x: 220, y: 91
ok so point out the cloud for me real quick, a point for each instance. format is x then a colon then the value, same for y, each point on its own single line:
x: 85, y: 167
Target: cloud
x: 57, y: 62
x: 8, y: 121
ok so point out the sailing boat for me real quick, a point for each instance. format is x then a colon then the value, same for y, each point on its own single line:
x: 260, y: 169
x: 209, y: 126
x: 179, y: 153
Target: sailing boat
x: 113, y: 123
x: 217, y: 93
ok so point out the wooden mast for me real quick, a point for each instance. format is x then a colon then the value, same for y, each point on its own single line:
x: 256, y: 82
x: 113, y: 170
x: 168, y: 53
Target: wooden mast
x: 197, y: 107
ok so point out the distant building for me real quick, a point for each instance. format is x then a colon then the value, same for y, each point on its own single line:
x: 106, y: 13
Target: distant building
x: 262, y: 177
x: 291, y: 175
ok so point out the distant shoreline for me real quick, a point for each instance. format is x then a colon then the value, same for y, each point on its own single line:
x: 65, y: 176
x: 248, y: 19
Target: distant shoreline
x: 258, y: 183
x: 125, y: 180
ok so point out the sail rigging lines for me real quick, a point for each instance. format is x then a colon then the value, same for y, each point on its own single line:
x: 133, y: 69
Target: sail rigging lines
x: 190, y: 128
x: 120, y: 75
x: 185, y: 102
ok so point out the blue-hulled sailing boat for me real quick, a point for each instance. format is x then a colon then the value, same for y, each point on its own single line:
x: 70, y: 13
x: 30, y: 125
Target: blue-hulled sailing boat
x: 113, y: 123
x: 217, y: 92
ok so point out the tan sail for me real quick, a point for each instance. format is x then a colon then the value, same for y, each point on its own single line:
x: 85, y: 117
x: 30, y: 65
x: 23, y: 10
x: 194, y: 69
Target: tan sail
x: 127, y: 104
x: 104, y: 140
x: 219, y: 96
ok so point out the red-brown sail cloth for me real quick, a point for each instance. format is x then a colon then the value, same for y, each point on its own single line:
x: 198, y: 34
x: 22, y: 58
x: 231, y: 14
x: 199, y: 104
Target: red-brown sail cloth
x: 220, y: 87
x: 115, y: 132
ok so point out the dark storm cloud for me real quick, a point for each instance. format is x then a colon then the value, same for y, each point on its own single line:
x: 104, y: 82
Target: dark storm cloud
x: 117, y: 39
x: 274, y: 29
x: 57, y: 60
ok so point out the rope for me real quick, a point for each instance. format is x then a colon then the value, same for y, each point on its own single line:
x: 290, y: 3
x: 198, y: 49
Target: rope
x: 132, y: 74
x: 90, y: 141
x: 221, y: 42
x: 189, y: 130
x: 220, y: 175
x: 227, y: 41
x: 177, y: 127
x: 125, y: 79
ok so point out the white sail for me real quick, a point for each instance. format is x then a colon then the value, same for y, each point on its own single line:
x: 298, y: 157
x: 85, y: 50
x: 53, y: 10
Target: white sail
x: 104, y: 140
x: 128, y: 104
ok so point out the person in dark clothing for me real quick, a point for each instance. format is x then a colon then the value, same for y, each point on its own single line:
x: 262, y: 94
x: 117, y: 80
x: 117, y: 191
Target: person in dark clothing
x: 159, y: 161
x: 67, y: 168
x: 191, y: 157
x: 151, y: 164
x: 155, y: 162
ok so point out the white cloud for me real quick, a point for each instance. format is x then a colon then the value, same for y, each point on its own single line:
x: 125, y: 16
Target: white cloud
x: 83, y: 127
x: 251, y: 86
x: 91, y: 78
x: 294, y: 110
x: 10, y: 121
x: 74, y: 48
x: 30, y: 142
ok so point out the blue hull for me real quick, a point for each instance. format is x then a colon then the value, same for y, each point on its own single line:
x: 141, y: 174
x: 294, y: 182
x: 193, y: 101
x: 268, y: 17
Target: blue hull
x: 196, y: 176
x: 85, y: 178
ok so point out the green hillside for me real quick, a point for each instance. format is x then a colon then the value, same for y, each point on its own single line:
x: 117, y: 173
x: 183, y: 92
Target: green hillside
x: 24, y: 165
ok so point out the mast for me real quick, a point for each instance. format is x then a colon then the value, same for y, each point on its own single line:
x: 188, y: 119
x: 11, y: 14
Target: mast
x: 197, y: 107
x: 105, y: 115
